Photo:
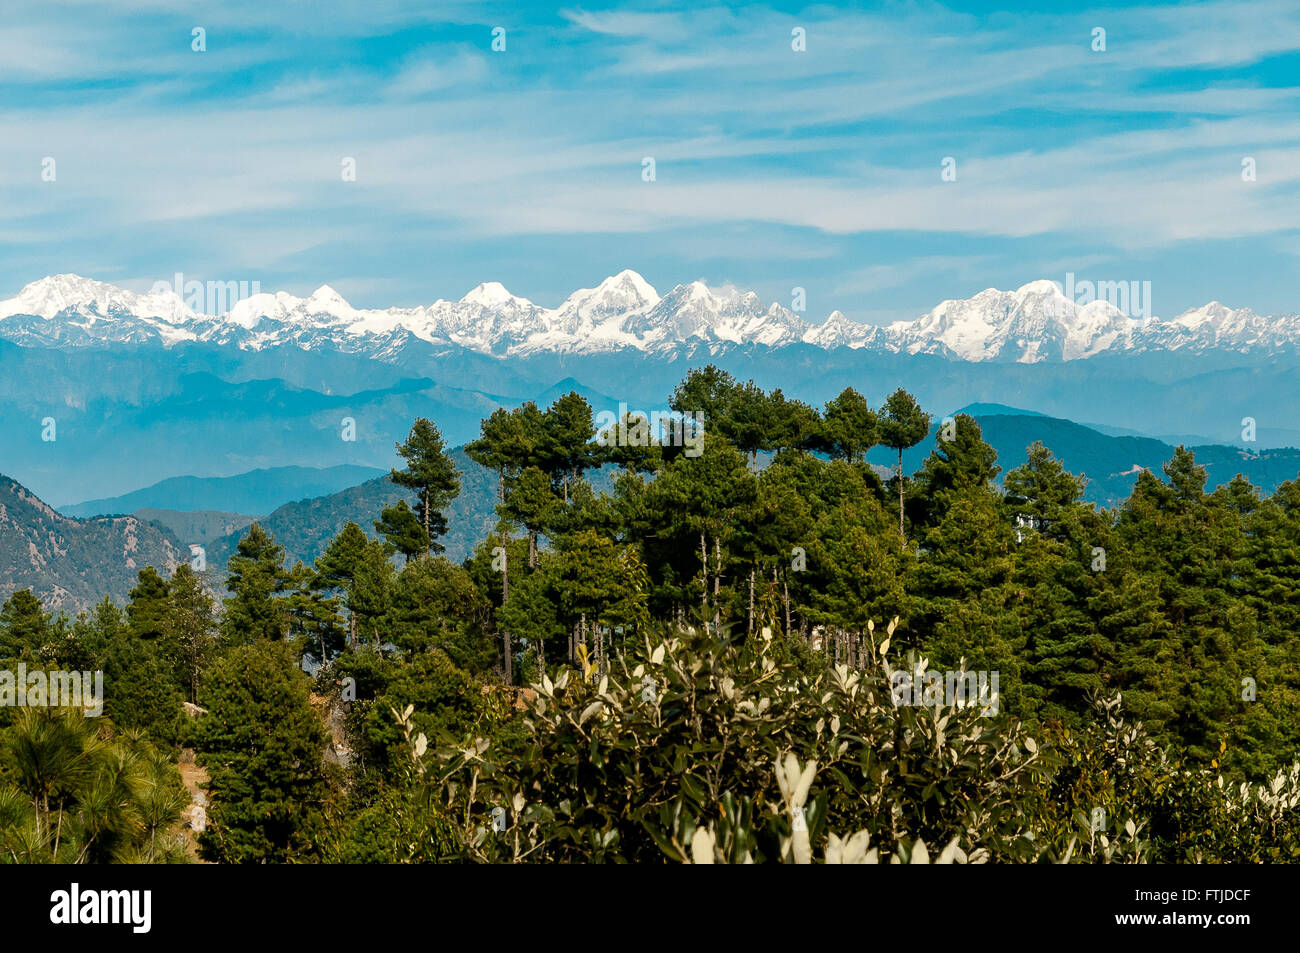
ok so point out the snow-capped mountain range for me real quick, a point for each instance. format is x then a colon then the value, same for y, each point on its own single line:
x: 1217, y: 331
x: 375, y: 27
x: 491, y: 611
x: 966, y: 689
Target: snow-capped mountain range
x: 1032, y: 324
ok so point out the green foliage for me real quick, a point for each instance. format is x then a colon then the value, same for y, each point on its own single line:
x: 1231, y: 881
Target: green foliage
x: 435, y: 605
x: 403, y: 531
x: 258, y: 580
x: 709, y: 751
x: 849, y: 427
x: 25, y: 627
x: 73, y: 790
x: 262, y: 744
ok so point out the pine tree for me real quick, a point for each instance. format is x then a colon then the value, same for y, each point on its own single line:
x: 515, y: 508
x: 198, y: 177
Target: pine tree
x: 338, y: 567
x: 404, y: 532
x: 902, y: 424
x: 848, y: 429
x: 435, y: 604
x: 505, y: 443
x: 147, y: 610
x: 532, y: 504
x: 705, y: 498
x: 314, y: 624
x: 792, y: 423
x: 258, y: 579
x: 1069, y: 657
x: 263, y: 745
x: 568, y: 449
x: 24, y: 625
x: 431, y: 473
x: 369, y: 595
x: 708, y: 390
x: 188, y: 639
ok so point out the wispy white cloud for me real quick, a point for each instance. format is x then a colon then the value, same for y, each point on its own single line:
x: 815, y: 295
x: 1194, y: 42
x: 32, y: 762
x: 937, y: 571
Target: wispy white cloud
x: 1136, y: 150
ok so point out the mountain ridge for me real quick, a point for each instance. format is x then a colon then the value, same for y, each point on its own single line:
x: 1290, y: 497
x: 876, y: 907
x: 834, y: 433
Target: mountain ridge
x: 258, y: 491
x: 1035, y: 323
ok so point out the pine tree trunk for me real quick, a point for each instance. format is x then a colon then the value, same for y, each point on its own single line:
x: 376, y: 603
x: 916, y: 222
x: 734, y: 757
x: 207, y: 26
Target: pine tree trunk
x: 717, y: 583
x: 428, y: 540
x: 901, y: 534
x: 505, y: 569
x: 510, y: 671
x: 532, y: 549
x: 751, y: 600
x: 785, y: 586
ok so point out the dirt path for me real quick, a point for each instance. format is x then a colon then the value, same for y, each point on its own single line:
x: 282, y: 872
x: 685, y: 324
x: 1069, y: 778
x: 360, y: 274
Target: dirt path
x: 194, y: 778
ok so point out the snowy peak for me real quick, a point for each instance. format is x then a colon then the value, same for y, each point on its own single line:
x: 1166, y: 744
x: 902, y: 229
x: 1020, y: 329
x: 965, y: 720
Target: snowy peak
x: 840, y: 331
x: 1036, y: 322
x: 59, y: 294
x: 618, y: 294
x: 325, y: 300
x: 492, y: 294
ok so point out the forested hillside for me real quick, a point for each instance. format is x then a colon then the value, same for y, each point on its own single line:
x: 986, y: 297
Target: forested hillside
x: 717, y: 661
x: 305, y: 528
x: 1111, y: 462
x: 71, y: 564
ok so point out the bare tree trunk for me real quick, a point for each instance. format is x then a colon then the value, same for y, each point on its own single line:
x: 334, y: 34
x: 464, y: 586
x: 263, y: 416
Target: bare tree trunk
x: 505, y: 597
x: 751, y: 600
x: 785, y: 586
x: 717, y: 583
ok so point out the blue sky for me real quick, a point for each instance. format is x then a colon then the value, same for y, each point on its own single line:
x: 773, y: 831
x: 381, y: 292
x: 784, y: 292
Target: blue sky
x: 774, y: 168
